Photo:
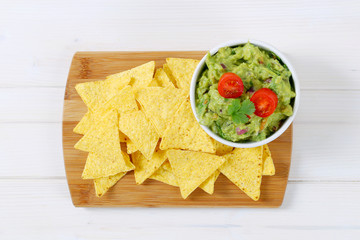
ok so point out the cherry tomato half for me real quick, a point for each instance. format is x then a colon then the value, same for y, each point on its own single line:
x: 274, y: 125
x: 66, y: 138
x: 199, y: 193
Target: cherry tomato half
x: 265, y: 102
x: 230, y: 85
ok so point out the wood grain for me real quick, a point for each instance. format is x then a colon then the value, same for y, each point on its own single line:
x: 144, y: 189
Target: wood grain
x: 90, y: 66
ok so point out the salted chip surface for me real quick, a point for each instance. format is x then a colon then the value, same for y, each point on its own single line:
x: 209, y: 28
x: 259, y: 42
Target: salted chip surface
x: 169, y: 74
x: 161, y: 79
x: 123, y: 101
x: 160, y: 105
x: 102, y: 185
x: 144, y: 167
x: 165, y: 174
x: 268, y: 163
x: 209, y: 183
x: 102, y: 141
x: 192, y: 168
x: 84, y: 125
x: 96, y: 94
x: 140, y: 131
x: 182, y: 69
x: 131, y: 147
x: 142, y: 75
x: 184, y: 132
x: 222, y: 149
x: 243, y: 167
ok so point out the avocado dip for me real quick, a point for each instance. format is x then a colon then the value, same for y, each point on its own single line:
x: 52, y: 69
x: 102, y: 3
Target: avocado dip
x: 257, y: 69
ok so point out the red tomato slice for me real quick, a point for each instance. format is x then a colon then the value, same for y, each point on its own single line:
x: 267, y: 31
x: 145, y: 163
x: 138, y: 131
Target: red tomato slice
x: 230, y: 85
x: 265, y: 102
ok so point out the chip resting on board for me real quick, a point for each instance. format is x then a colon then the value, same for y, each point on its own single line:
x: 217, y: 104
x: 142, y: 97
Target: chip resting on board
x: 192, y: 168
x: 243, y: 167
x: 268, y: 163
x: 182, y: 69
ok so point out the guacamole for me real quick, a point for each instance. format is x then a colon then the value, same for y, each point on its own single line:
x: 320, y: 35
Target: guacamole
x: 257, y: 69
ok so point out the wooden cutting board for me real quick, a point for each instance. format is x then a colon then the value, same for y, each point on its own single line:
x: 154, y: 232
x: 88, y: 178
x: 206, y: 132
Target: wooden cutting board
x: 92, y: 66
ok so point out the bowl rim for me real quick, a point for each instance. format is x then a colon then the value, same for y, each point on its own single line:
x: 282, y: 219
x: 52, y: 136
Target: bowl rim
x: 262, y: 45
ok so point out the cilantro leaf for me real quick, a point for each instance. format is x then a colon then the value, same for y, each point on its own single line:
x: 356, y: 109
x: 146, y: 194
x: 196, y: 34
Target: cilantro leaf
x: 239, y: 111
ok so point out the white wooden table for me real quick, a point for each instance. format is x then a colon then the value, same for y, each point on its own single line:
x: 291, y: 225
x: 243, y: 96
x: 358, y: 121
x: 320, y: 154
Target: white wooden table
x: 37, y: 42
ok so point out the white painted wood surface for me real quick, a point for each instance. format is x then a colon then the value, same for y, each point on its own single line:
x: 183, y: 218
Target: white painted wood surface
x: 37, y: 41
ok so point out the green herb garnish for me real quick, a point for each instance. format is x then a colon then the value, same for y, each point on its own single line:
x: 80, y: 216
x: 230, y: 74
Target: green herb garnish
x: 239, y: 111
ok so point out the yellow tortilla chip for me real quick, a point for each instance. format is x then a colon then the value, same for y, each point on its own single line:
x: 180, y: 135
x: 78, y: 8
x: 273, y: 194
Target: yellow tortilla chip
x: 144, y: 168
x: 268, y: 163
x: 162, y: 80
x: 84, y: 125
x: 182, y: 70
x: 209, y: 183
x: 140, y: 132
x: 102, y: 141
x: 165, y: 174
x: 102, y: 185
x: 96, y: 94
x: 222, y: 149
x: 184, y: 132
x: 142, y: 75
x: 243, y: 167
x: 169, y: 74
x: 131, y: 147
x: 123, y: 138
x: 192, y: 168
x: 160, y: 105
x: 124, y: 101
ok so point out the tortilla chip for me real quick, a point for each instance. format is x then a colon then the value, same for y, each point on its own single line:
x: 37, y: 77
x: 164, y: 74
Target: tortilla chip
x: 192, y: 168
x: 243, y: 167
x: 182, y: 70
x: 140, y: 132
x: 124, y: 101
x: 169, y: 74
x: 184, y: 132
x: 102, y: 185
x: 131, y: 147
x: 84, y: 125
x: 144, y: 168
x: 222, y: 149
x: 122, y: 137
x: 142, y: 75
x: 162, y: 79
x: 102, y: 141
x: 96, y: 94
x: 160, y: 105
x: 268, y: 163
x: 165, y: 174
x: 209, y: 183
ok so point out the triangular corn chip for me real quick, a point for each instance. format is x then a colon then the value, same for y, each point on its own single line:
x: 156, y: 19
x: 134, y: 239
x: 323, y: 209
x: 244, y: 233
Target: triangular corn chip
x: 102, y: 185
x: 142, y: 75
x: 182, y: 70
x: 160, y: 104
x: 165, y: 174
x: 222, y: 149
x: 192, y: 168
x: 268, y: 163
x: 184, y: 132
x: 96, y: 94
x: 131, y: 147
x: 102, y: 141
x: 144, y: 168
x: 161, y: 79
x: 209, y: 183
x: 140, y: 132
x: 243, y: 167
x: 84, y: 125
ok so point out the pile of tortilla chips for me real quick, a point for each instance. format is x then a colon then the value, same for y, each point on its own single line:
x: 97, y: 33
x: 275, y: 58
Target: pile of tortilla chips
x: 148, y: 116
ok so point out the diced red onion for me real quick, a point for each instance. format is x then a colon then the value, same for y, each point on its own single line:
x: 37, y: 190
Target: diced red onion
x: 240, y: 131
x: 223, y: 65
x: 268, y: 80
x: 251, y: 90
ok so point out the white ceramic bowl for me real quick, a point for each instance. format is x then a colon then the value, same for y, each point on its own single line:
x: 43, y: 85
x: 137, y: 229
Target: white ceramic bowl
x: 287, y: 122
